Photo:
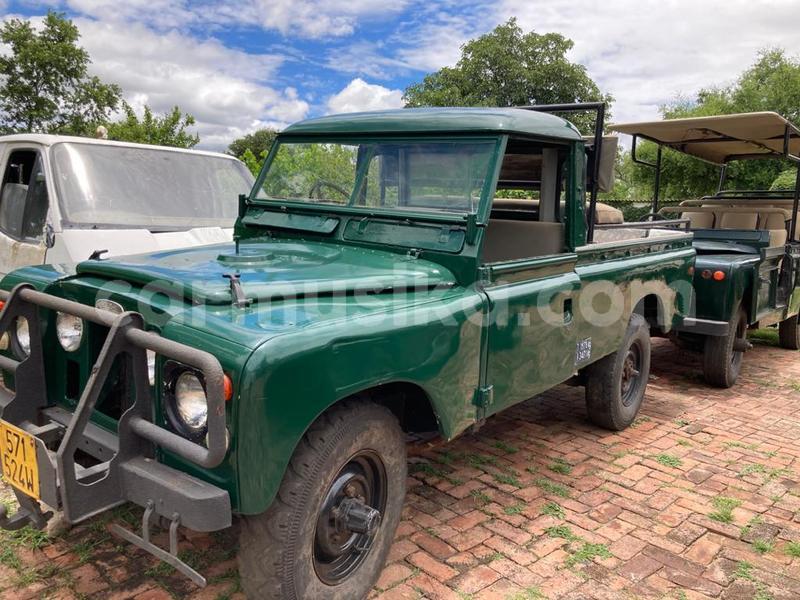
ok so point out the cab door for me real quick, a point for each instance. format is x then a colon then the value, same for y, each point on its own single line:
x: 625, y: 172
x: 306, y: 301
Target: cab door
x: 529, y: 279
x: 531, y: 332
x: 24, y: 205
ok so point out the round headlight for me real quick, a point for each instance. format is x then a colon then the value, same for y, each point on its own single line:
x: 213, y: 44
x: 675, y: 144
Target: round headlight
x: 69, y: 330
x: 151, y: 367
x: 190, y: 402
x: 23, y: 336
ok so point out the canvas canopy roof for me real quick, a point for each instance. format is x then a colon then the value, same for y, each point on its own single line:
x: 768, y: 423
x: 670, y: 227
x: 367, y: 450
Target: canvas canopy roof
x: 719, y: 139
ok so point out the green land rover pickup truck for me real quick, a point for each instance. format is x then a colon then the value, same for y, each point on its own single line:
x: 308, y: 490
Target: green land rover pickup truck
x: 375, y: 288
x: 748, y: 246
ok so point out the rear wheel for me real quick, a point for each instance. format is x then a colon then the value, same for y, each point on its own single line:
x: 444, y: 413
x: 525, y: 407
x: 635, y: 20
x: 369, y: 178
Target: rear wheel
x: 723, y: 355
x: 329, y: 530
x: 615, y: 385
x: 789, y: 333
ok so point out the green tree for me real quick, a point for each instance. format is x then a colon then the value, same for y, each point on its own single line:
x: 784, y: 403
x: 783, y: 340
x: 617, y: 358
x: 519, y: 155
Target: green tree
x: 169, y: 129
x: 772, y: 83
x: 508, y: 67
x: 45, y: 82
x: 258, y: 143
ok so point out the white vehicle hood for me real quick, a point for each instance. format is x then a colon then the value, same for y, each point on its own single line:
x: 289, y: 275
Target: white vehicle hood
x: 76, y: 245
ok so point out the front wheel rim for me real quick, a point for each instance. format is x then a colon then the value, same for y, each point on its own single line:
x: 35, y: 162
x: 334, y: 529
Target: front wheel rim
x: 631, y: 374
x: 350, y: 517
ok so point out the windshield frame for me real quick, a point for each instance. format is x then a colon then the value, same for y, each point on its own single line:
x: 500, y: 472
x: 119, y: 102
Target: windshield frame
x: 489, y: 182
x: 61, y: 200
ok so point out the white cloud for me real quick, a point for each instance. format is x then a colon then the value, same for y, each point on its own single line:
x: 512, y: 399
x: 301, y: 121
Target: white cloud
x: 364, y: 58
x: 645, y: 52
x: 229, y: 92
x: 359, y: 96
x: 305, y: 18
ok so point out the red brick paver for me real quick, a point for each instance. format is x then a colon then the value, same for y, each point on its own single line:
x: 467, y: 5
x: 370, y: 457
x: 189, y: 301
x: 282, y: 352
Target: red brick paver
x: 699, y: 499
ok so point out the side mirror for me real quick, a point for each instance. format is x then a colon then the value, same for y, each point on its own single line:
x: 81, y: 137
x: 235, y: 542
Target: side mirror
x: 49, y: 236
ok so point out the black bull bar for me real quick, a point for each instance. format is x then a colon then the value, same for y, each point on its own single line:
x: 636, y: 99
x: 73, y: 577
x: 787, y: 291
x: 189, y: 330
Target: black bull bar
x: 125, y: 469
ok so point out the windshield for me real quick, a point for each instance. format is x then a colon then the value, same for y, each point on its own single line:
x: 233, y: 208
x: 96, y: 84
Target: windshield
x: 121, y: 186
x: 425, y: 175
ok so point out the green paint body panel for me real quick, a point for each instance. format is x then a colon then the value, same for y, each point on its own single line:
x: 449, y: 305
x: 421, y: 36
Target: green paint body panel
x: 347, y: 301
x: 752, y: 277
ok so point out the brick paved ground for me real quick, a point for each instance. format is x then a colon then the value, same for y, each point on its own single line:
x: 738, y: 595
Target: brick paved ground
x: 699, y: 499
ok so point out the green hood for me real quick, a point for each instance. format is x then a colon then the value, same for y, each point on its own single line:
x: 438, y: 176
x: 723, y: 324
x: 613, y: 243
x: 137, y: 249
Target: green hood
x: 271, y: 270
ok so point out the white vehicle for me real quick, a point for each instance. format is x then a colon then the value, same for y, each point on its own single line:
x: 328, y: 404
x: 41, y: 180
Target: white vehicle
x: 64, y: 198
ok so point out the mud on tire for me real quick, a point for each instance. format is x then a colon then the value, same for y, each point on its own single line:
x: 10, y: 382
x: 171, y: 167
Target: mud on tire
x: 350, y: 462
x: 615, y: 385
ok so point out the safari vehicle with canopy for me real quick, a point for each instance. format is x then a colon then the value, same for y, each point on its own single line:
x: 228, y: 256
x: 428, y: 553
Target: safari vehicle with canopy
x: 63, y: 198
x: 747, y: 242
x: 375, y: 288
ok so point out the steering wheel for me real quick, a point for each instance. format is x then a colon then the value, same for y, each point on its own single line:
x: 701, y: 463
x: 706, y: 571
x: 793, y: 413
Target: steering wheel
x: 321, y: 183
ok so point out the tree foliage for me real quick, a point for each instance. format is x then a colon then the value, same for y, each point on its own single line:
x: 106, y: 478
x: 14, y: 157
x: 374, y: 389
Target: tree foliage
x: 772, y: 83
x: 169, y: 129
x: 258, y: 143
x: 508, y: 67
x: 45, y: 82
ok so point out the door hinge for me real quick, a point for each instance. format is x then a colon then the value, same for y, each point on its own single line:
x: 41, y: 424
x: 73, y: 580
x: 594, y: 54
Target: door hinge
x: 484, y: 396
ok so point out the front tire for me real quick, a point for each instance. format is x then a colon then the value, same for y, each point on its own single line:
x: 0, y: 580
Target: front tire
x: 789, y: 333
x: 615, y: 385
x: 329, y: 530
x: 721, y: 362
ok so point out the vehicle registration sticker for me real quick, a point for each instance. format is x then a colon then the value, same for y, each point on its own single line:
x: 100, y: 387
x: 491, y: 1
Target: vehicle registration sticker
x: 18, y: 455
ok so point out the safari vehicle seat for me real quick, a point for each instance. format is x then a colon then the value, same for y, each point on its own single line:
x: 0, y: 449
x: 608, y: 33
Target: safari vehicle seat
x: 738, y: 220
x: 700, y: 220
x: 776, y: 225
x: 507, y: 239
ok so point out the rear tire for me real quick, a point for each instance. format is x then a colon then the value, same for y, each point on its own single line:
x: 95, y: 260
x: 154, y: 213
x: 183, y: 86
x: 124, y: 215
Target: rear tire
x: 321, y: 538
x: 721, y: 363
x: 789, y: 333
x: 615, y: 385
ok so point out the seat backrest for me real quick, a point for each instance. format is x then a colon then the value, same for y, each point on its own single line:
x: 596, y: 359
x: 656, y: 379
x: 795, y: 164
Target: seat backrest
x: 606, y: 215
x: 12, y: 207
x: 700, y: 220
x: 775, y: 223
x: 738, y: 220
x: 506, y: 239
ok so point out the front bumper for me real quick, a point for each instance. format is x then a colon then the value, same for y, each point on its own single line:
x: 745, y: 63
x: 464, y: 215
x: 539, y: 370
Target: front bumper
x: 122, y: 466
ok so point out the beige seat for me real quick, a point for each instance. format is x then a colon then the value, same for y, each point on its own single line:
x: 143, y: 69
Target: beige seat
x: 775, y: 223
x: 607, y: 215
x: 738, y: 220
x: 513, y: 240
x: 700, y: 220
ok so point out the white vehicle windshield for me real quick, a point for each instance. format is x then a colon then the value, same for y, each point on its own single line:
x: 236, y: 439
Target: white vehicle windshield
x: 120, y: 186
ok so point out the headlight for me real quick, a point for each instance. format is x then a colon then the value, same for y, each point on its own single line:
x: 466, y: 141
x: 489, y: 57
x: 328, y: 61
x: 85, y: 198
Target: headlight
x: 190, y: 402
x: 69, y: 330
x: 22, y: 336
x: 151, y: 367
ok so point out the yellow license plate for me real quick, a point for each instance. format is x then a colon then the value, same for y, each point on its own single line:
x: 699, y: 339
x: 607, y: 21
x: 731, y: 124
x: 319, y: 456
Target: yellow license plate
x: 18, y: 455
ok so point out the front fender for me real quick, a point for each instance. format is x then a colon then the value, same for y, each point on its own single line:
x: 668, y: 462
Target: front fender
x: 293, y: 378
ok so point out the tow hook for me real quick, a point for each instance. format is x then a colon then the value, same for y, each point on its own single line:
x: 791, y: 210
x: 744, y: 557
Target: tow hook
x: 741, y: 345
x: 29, y: 513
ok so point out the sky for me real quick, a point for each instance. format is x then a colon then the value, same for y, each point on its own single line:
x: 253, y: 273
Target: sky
x: 240, y: 65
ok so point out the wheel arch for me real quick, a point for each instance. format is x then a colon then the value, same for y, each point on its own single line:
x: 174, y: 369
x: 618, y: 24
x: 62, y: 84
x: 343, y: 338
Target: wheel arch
x: 652, y: 307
